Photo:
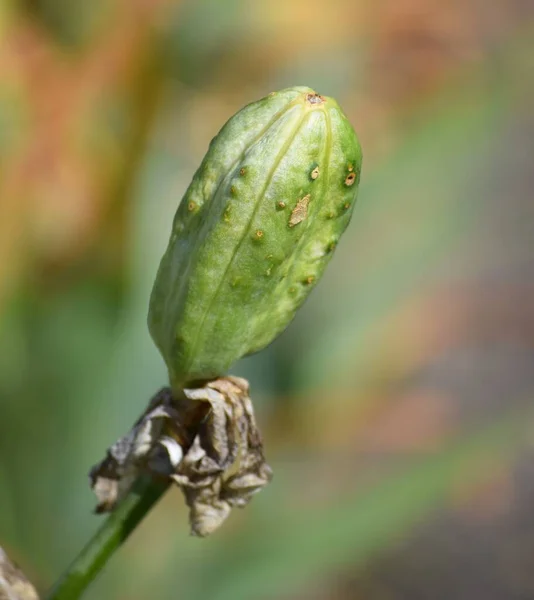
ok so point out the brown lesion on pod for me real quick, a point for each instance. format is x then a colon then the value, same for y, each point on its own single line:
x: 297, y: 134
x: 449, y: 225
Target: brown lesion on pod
x: 243, y: 171
x: 309, y: 280
x: 300, y: 212
x: 314, y: 173
x: 192, y: 206
x: 233, y: 190
x: 350, y: 178
x: 258, y: 234
x: 280, y: 205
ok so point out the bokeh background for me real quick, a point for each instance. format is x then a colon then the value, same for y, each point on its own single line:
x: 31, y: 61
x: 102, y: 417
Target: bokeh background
x: 396, y: 409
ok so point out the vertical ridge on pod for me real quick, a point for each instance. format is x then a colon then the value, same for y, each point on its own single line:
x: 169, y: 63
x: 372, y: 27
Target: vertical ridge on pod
x: 222, y: 281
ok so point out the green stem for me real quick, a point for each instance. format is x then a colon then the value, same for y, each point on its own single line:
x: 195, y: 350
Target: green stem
x: 145, y: 492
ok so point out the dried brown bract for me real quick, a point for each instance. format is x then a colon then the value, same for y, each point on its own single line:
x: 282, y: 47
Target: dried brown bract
x: 13, y: 583
x: 206, y: 441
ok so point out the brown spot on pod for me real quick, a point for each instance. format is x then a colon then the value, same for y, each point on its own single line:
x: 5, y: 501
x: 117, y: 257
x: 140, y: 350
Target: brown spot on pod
x: 281, y: 204
x: 331, y: 247
x: 315, y: 173
x: 258, y: 234
x: 309, y: 280
x: 346, y: 206
x: 300, y: 212
x: 192, y: 206
x: 242, y: 171
x: 350, y: 179
x: 233, y: 190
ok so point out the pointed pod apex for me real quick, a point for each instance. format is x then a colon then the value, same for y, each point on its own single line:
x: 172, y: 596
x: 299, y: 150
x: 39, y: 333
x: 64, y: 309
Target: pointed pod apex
x: 314, y: 98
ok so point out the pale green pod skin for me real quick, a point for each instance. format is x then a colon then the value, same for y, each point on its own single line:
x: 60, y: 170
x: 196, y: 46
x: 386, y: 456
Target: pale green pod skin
x: 254, y: 232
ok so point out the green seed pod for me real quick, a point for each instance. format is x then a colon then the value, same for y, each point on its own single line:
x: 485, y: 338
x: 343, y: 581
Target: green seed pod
x: 254, y: 231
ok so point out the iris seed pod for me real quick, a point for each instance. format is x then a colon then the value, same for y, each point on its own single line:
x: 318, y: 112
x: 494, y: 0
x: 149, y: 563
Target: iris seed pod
x: 254, y: 231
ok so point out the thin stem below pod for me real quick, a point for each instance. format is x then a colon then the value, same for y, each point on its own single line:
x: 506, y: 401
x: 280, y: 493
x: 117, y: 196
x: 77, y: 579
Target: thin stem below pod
x: 145, y: 492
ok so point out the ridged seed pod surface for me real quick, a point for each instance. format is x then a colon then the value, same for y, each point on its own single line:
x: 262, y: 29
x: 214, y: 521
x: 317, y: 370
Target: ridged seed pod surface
x: 254, y: 231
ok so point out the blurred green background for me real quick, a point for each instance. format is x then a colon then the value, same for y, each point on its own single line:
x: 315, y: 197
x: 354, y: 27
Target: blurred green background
x: 396, y: 409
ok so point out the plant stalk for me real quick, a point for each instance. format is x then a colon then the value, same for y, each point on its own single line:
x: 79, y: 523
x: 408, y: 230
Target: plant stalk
x: 145, y: 492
